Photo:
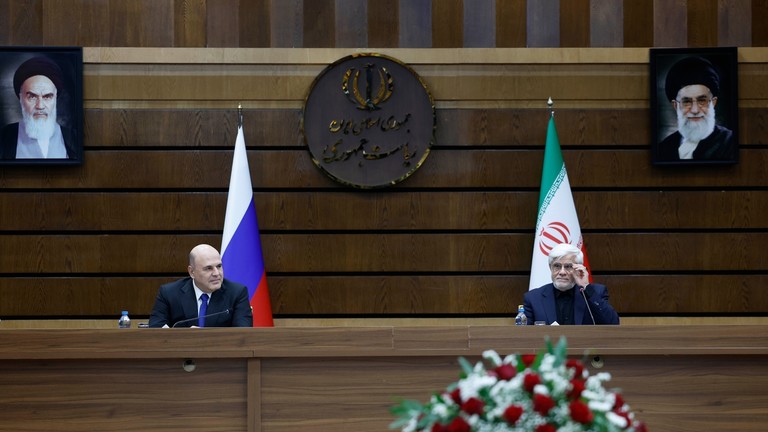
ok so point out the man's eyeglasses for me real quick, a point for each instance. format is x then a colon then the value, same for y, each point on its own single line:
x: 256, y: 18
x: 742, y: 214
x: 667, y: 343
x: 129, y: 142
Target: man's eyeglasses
x: 557, y: 267
x: 702, y: 101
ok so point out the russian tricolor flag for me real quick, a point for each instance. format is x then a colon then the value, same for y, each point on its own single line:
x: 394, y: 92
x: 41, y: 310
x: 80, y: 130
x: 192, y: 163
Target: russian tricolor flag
x: 241, y: 246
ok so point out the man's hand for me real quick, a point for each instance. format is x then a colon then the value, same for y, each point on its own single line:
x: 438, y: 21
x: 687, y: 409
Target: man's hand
x: 580, y: 275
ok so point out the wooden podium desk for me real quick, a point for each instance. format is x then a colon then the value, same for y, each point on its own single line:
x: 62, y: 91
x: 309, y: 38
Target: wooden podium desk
x: 676, y: 378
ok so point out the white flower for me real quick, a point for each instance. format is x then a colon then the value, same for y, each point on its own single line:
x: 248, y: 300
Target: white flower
x: 493, y: 357
x: 602, y: 406
x: 440, y: 410
x: 469, y: 387
x: 616, y: 419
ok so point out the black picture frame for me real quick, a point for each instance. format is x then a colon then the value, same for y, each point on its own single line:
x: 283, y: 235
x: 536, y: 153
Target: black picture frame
x: 722, y: 145
x: 69, y: 100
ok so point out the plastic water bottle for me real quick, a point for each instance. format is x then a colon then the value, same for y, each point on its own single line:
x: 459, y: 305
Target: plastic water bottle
x: 521, y: 319
x: 124, y: 321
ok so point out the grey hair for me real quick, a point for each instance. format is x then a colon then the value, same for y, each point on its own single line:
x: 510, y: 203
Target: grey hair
x: 564, y: 249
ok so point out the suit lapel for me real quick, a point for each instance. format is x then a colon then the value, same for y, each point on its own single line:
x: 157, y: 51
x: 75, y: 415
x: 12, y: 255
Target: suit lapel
x: 550, y: 308
x: 580, y: 309
x: 189, y: 299
x: 217, y: 304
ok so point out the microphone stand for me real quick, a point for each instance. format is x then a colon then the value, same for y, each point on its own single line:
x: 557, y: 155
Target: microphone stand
x: 226, y: 311
x: 589, y: 309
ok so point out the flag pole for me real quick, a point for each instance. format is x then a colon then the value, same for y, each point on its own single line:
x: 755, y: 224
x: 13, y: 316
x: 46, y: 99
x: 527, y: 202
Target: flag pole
x: 239, y: 115
x: 550, y: 106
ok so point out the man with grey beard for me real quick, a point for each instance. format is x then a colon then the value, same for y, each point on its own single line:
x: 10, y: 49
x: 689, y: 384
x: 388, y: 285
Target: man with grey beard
x: 692, y: 87
x: 36, y: 83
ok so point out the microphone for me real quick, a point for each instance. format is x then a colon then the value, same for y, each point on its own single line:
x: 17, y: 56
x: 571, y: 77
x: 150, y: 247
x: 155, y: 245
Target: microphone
x: 581, y: 290
x: 225, y: 311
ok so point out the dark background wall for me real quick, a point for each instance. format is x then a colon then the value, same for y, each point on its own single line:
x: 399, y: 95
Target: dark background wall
x: 163, y: 79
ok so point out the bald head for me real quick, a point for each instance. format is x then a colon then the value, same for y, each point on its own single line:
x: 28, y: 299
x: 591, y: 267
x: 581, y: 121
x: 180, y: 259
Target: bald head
x: 205, y: 268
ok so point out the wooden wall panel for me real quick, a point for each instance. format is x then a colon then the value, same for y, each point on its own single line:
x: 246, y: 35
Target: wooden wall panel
x: 209, y: 169
x: 384, y: 24
x: 479, y: 24
x: 410, y: 295
x: 221, y: 20
x: 387, y: 23
x: 447, y: 24
x: 543, y: 23
x: 606, y: 27
x: 319, y: 24
x: 415, y: 24
x: 287, y: 23
x: 255, y: 21
x: 21, y: 22
x: 452, y: 240
x: 670, y: 23
x: 383, y: 252
x: 639, y: 23
x: 734, y: 23
x: 351, y: 23
x: 155, y: 16
x: 189, y: 23
x: 90, y: 22
x: 507, y: 128
x: 511, y: 23
x: 703, y: 23
x: 759, y: 18
x: 575, y: 23
x: 513, y: 210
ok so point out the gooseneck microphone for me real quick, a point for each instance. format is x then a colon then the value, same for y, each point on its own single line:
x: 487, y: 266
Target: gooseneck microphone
x: 582, y: 289
x: 225, y: 311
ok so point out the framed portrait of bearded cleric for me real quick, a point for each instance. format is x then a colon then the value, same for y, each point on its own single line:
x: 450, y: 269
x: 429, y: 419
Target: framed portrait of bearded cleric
x: 41, y: 105
x: 694, y: 106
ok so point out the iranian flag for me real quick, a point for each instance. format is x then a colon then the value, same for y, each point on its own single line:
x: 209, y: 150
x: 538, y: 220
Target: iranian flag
x: 557, y: 221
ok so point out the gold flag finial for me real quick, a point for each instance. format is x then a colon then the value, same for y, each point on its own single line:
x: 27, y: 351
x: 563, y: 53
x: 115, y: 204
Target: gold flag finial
x: 239, y: 115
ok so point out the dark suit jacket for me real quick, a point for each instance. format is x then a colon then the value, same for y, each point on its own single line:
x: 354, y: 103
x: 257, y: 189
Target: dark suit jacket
x: 719, y: 145
x: 540, y: 305
x: 176, y: 301
x: 9, y: 134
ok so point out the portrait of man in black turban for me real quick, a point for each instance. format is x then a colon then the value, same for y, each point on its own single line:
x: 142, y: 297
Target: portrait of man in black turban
x: 692, y: 90
x: 37, y: 118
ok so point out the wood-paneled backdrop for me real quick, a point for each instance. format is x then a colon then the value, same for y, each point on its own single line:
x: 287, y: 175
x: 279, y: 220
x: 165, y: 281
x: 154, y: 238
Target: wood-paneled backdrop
x: 162, y: 82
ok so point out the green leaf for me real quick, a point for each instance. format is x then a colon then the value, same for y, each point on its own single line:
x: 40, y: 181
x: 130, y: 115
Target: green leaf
x: 466, y: 367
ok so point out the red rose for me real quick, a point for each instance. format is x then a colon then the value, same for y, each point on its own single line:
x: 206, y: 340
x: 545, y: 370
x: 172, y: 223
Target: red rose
x: 505, y: 372
x: 577, y: 386
x: 473, y: 406
x: 528, y: 359
x: 625, y: 416
x: 619, y: 403
x: 577, y: 366
x: 530, y: 381
x: 512, y: 414
x: 456, y: 396
x: 546, y: 428
x: 458, y: 425
x: 542, y: 404
x: 580, y: 412
x: 437, y: 427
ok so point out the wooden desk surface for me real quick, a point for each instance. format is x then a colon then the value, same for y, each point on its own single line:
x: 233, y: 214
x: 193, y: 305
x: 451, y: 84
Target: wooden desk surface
x: 676, y: 378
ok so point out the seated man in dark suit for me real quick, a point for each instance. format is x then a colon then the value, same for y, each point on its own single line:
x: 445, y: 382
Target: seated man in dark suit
x: 559, y: 302
x: 205, y: 292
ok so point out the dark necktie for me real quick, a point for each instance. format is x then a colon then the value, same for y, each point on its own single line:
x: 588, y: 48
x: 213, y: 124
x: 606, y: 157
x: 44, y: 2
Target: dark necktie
x: 203, y: 310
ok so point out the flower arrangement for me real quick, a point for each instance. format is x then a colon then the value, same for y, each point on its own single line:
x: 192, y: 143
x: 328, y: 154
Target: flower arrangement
x: 546, y: 392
